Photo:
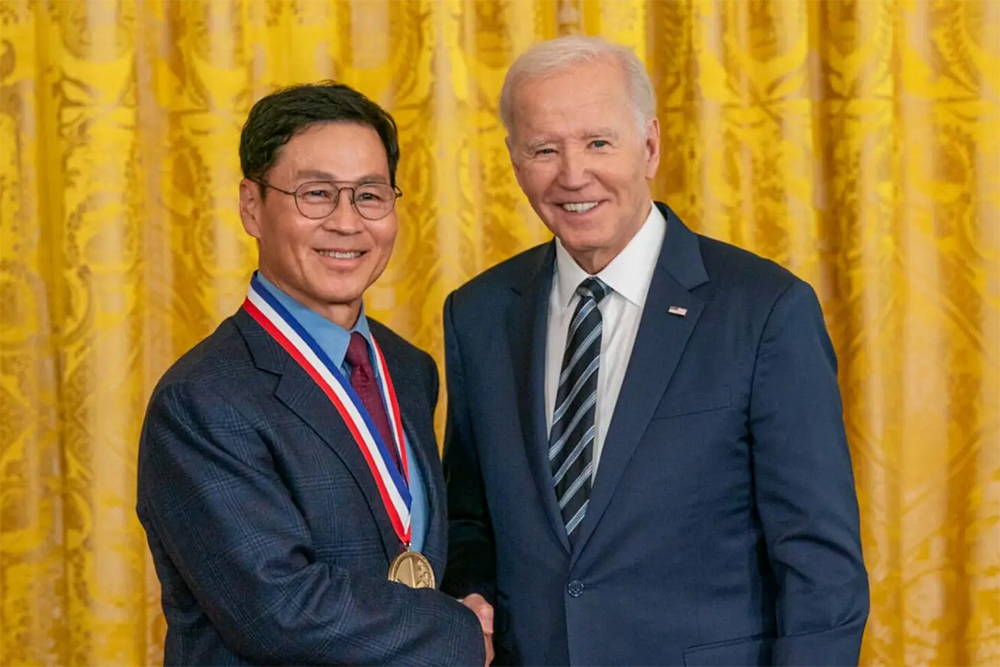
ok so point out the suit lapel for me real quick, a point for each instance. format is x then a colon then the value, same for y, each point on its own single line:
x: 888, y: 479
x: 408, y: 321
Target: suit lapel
x: 527, y: 322
x: 301, y: 395
x: 659, y: 343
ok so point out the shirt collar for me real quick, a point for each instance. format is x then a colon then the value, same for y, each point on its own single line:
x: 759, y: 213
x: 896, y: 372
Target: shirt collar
x: 332, y: 338
x: 629, y: 274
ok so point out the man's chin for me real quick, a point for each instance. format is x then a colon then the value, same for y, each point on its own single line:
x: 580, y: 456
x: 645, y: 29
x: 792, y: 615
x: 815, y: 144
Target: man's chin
x: 336, y: 291
x: 584, y: 244
x: 343, y: 299
x: 583, y: 233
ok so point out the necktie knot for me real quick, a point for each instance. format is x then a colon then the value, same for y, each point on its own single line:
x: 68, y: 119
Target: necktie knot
x: 357, y: 354
x: 593, y: 288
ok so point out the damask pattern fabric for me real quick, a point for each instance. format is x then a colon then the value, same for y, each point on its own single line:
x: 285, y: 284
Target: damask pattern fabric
x: 855, y: 142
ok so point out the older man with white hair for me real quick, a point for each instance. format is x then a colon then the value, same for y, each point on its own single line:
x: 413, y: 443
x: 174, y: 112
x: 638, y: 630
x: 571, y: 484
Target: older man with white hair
x: 645, y: 452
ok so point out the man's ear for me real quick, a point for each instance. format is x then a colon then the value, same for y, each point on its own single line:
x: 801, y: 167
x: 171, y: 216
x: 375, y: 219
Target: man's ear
x: 652, y: 147
x: 251, y: 207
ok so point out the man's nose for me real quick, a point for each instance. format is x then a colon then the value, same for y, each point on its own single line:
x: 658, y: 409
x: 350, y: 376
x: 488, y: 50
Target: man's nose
x: 344, y: 218
x: 574, y: 171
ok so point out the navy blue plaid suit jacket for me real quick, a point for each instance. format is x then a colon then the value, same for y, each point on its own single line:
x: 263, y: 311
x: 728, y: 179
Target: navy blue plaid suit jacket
x: 267, y: 530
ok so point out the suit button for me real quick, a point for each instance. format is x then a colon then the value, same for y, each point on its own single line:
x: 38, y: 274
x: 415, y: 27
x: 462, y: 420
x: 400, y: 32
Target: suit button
x: 575, y: 588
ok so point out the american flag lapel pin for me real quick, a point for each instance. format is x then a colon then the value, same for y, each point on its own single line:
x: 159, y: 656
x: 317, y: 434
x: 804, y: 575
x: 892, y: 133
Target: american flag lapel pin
x: 678, y: 311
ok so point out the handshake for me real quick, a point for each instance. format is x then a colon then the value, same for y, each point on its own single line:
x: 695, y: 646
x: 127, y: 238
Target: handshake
x: 484, y: 611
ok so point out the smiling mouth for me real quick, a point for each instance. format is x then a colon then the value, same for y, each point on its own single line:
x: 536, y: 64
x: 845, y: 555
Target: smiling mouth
x: 339, y: 254
x: 579, y: 207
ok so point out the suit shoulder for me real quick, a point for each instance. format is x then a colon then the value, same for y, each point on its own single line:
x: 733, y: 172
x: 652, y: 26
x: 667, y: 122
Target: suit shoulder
x: 733, y: 268
x: 497, y: 280
x: 220, y: 359
x: 491, y: 288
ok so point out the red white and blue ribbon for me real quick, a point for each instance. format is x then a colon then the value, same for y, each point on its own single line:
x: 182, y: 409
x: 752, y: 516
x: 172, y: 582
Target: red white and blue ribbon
x: 291, y: 335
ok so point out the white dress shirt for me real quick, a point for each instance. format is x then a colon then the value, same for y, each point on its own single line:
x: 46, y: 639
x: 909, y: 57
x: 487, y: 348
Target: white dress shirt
x: 628, y: 275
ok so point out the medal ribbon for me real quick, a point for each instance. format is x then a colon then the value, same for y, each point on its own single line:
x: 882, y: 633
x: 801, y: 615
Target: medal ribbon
x: 392, y: 484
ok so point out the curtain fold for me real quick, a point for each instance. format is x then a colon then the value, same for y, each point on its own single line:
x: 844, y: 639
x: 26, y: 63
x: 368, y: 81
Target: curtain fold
x: 855, y: 142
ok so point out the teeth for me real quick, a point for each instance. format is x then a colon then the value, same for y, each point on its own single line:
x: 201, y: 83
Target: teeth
x: 579, y: 207
x: 339, y: 255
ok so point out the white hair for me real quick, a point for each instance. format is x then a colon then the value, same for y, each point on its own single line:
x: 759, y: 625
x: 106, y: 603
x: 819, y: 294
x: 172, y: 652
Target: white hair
x: 558, y: 55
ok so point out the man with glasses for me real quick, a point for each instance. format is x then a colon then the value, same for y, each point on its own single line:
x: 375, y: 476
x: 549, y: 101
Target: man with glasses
x: 289, y: 480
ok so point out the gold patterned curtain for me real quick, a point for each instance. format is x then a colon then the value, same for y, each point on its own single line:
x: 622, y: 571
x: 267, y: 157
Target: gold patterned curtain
x: 854, y: 142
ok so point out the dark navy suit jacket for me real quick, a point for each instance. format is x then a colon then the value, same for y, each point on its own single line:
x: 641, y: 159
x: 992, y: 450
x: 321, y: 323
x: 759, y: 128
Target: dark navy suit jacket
x: 266, y: 526
x: 723, y: 522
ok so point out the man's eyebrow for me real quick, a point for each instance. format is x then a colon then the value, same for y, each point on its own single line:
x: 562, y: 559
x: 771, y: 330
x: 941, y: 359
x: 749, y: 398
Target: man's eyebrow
x: 327, y: 176
x: 600, y: 132
x: 314, y: 173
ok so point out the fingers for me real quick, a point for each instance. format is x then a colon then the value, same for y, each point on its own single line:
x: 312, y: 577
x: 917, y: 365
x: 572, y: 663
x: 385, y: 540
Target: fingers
x: 488, y: 638
x: 483, y: 610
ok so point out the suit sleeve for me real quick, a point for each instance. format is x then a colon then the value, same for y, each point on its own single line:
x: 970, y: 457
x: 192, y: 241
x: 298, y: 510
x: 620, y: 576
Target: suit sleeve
x: 210, y: 490
x: 471, y: 550
x: 804, y: 486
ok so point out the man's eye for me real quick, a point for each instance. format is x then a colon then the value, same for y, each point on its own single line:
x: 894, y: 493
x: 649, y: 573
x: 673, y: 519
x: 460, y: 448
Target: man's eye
x: 319, y: 194
x: 545, y: 151
x: 599, y: 143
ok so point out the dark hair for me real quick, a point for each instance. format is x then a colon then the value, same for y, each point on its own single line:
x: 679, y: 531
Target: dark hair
x: 278, y: 117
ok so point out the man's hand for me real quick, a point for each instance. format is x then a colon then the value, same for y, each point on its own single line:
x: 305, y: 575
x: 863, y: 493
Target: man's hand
x: 484, y: 611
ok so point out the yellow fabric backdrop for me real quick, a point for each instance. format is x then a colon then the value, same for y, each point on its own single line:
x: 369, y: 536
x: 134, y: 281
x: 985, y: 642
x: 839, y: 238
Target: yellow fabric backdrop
x: 855, y: 142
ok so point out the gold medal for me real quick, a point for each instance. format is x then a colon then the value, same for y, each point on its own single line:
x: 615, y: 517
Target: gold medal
x: 412, y: 569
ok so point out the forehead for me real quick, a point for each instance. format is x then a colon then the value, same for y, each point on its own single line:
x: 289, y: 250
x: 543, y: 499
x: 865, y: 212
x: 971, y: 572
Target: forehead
x: 344, y: 150
x: 585, y: 99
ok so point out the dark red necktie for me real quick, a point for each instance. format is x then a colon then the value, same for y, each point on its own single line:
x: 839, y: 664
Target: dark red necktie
x: 364, y: 383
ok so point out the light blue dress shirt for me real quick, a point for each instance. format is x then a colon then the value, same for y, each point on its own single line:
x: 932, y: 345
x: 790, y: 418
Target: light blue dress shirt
x: 333, y: 340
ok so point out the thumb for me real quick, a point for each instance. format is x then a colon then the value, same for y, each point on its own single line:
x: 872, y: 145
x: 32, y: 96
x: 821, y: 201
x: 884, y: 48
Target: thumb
x: 485, y: 614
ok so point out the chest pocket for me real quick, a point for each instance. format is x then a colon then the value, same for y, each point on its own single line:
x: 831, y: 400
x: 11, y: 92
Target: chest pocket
x: 690, y: 402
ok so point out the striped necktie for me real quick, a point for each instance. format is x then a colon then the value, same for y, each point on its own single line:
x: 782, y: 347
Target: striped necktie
x: 571, y: 440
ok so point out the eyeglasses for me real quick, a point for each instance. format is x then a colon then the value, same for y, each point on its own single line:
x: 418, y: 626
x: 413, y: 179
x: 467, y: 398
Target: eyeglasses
x: 318, y: 199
